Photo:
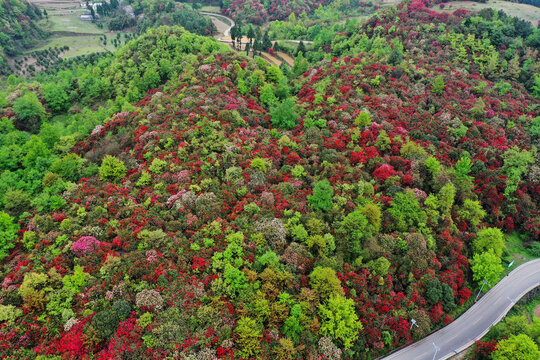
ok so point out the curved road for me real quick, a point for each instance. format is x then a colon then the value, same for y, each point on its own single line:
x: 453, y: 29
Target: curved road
x: 476, y: 321
x: 227, y: 32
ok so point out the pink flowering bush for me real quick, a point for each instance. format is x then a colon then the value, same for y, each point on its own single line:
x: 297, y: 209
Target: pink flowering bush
x: 84, y: 245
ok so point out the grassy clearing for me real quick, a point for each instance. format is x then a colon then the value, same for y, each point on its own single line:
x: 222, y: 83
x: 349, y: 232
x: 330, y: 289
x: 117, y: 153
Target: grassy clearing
x: 81, y: 45
x: 516, y: 249
x: 73, y: 23
x: 526, y: 12
x: 78, y: 45
x: 209, y: 8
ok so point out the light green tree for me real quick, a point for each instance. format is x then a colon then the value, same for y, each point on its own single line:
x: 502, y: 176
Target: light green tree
x: 249, y: 332
x: 406, y: 212
x: 517, y: 347
x: 438, y: 85
x: 112, y: 169
x: 339, y: 320
x: 516, y: 164
x: 325, y: 283
x: 472, y: 212
x: 489, y: 239
x: 486, y: 266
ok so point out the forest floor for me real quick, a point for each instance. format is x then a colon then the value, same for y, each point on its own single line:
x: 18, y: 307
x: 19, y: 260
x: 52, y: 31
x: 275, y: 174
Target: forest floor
x: 526, y: 12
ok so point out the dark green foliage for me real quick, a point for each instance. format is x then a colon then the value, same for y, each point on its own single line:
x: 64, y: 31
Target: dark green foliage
x: 16, y: 202
x: 434, y: 291
x: 122, y: 309
x: 447, y: 298
x: 105, y: 323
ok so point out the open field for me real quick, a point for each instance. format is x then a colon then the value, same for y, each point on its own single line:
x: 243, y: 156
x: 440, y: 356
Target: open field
x: 80, y: 45
x: 72, y: 23
x: 526, y: 12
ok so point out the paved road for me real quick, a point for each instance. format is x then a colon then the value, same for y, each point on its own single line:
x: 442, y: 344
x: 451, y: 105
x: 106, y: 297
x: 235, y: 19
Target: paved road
x: 476, y: 321
x: 227, y: 31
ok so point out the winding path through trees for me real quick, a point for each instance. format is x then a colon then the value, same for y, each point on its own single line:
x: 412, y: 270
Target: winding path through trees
x: 476, y: 321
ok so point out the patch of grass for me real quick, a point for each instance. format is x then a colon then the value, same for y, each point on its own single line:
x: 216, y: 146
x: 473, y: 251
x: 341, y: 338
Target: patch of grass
x: 209, y: 8
x: 516, y: 248
x: 526, y: 12
x: 78, y: 45
x: 73, y: 23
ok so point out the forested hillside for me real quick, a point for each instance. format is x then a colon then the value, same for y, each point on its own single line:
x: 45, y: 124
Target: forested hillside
x: 181, y: 200
x: 18, y: 30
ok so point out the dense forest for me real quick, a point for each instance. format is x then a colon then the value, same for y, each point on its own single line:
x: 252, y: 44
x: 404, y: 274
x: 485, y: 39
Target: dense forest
x: 178, y: 199
x: 148, y: 14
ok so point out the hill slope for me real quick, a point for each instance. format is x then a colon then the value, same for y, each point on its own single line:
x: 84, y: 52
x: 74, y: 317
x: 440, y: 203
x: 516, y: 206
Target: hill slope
x: 18, y: 30
x: 229, y: 219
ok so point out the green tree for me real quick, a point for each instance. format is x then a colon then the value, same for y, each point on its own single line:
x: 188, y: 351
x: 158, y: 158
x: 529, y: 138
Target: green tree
x: 447, y: 298
x: 322, y: 196
x: 433, y: 165
x: 354, y: 229
x: 300, y: 65
x: 266, y: 43
x: 16, y: 202
x: 438, y: 85
x: 30, y: 113
x: 380, y: 266
x: 56, y: 97
x: 516, y: 164
x: 324, y: 282
x: 266, y: 94
x: 434, y: 291
x: 301, y: 48
x: 249, y: 332
x: 283, y: 115
x: 8, y: 234
x: 362, y: 120
x: 517, y: 347
x: 463, y: 166
x: 112, y: 169
x: 406, y: 212
x: 69, y: 167
x: 339, y: 320
x: 472, y: 212
x: 486, y: 266
x: 489, y: 239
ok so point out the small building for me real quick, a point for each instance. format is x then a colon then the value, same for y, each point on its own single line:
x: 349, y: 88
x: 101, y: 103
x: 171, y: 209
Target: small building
x: 87, y: 18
